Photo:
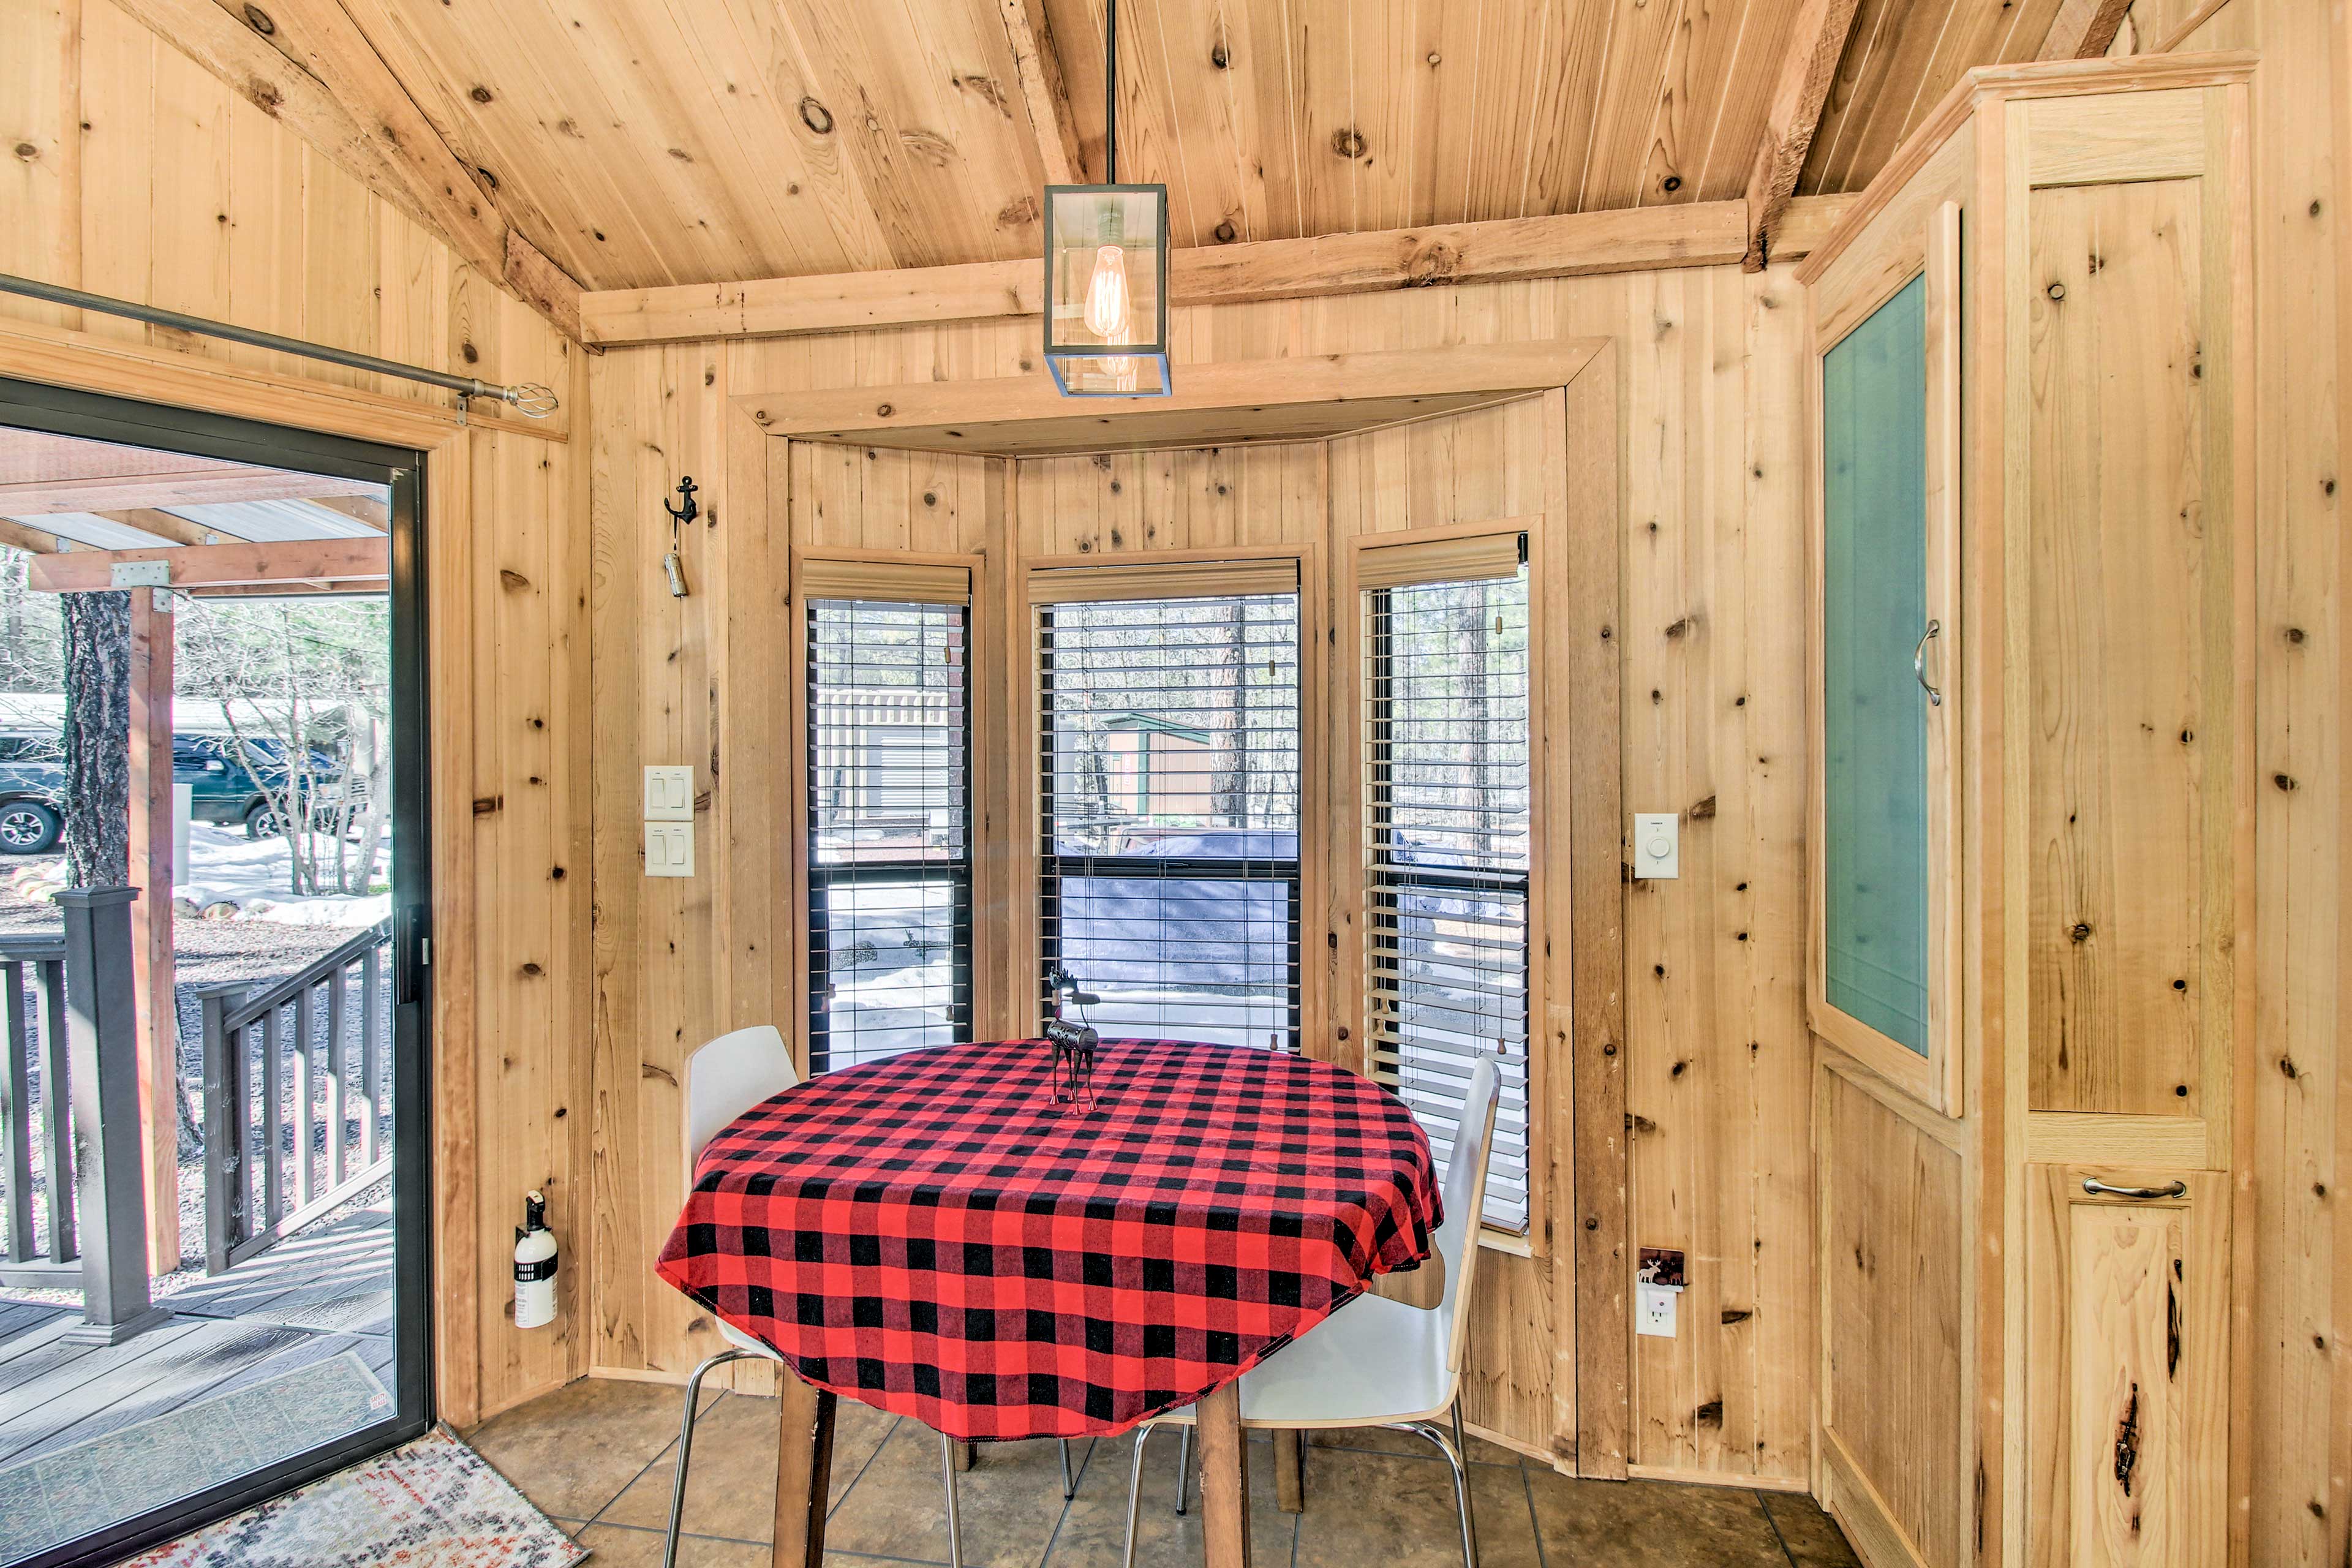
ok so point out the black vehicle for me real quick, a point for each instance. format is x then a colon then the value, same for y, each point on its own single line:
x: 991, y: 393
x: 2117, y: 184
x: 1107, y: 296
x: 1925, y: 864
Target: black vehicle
x: 222, y: 789
x: 32, y: 792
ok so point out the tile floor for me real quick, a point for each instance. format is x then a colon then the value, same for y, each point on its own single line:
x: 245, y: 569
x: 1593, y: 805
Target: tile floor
x: 597, y: 1457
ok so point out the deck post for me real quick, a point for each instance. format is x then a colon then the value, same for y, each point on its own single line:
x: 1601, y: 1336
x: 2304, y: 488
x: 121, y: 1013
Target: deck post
x: 152, y: 639
x: 110, y: 1179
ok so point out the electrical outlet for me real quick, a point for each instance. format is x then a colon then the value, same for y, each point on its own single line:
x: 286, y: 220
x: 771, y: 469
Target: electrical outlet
x: 1656, y: 844
x: 1656, y: 1315
x: 669, y: 795
x: 670, y: 848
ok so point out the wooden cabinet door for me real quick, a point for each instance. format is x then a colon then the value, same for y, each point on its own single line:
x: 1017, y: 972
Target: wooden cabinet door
x: 2126, y: 1367
x: 1884, y: 646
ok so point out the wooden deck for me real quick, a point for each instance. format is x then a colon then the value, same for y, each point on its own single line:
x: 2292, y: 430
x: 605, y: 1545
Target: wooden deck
x: 314, y: 1295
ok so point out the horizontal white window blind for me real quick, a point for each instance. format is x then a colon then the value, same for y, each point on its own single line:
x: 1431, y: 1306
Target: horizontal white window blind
x: 1168, y: 862
x: 890, y: 840
x: 1447, y: 855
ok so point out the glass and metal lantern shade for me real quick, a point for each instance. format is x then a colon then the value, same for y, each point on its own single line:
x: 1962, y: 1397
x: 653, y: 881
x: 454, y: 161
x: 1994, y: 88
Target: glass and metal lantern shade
x: 1107, y: 289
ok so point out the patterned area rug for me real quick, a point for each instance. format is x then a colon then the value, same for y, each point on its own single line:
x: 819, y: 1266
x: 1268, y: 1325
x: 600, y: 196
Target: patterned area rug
x: 68, y: 1493
x: 434, y: 1503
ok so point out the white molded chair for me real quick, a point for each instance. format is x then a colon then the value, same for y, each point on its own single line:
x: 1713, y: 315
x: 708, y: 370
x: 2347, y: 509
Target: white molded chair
x: 1378, y: 1363
x: 724, y: 1078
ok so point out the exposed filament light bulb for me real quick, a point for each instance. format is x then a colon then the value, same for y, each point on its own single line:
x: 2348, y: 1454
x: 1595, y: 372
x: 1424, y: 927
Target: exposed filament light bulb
x: 1107, y: 297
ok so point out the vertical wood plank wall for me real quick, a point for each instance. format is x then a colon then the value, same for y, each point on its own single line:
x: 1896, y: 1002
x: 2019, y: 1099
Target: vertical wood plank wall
x: 2302, y: 1121
x: 1718, y: 1091
x: 136, y: 172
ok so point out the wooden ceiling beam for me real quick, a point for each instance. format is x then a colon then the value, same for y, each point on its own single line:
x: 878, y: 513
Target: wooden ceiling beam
x: 316, y: 587
x: 165, y: 525
x: 1044, y: 89
x: 19, y: 536
x: 219, y: 566
x: 2083, y: 29
x: 1816, y: 40
x: 191, y: 487
x: 306, y: 64
x: 1700, y: 234
x: 367, y: 509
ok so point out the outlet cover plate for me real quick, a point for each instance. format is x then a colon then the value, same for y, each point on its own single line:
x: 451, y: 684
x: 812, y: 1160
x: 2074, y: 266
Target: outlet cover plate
x: 1656, y: 1313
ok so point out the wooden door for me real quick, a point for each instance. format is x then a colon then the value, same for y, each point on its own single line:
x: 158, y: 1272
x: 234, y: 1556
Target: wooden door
x: 2127, y: 1357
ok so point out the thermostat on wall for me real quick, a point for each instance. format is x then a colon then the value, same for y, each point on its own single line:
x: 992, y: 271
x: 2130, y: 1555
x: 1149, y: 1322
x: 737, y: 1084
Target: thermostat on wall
x: 1656, y: 847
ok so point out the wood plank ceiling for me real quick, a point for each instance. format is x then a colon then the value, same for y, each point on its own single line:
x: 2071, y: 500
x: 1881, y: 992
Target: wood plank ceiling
x: 707, y: 141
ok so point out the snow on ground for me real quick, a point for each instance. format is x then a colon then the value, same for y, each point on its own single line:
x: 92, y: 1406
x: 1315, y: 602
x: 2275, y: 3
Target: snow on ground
x: 225, y: 867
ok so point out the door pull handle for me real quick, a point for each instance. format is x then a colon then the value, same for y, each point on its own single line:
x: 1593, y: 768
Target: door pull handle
x: 2096, y: 1187
x: 1919, y: 663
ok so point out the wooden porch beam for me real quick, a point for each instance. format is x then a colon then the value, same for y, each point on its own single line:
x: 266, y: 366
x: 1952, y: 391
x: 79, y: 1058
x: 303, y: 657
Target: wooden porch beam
x: 306, y: 64
x: 16, y: 536
x: 1701, y: 233
x: 2083, y: 29
x: 1816, y: 40
x: 186, y: 486
x: 167, y: 525
x: 1044, y: 89
x: 370, y: 509
x: 219, y: 566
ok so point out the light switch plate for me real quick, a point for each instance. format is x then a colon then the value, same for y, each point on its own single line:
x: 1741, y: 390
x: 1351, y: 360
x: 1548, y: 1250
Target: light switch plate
x: 1657, y: 844
x: 1656, y: 1315
x: 669, y: 793
x: 670, y: 848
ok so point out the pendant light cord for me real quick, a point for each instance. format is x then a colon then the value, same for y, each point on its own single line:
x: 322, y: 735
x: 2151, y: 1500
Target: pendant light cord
x: 1110, y: 92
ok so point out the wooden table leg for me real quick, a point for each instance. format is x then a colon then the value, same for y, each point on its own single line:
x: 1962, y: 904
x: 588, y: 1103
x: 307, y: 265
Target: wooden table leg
x: 803, y: 1471
x: 1290, y: 1470
x: 1224, y: 1480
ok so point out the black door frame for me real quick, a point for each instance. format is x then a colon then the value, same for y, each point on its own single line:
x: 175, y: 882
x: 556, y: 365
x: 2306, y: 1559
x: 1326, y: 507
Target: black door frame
x: 63, y: 411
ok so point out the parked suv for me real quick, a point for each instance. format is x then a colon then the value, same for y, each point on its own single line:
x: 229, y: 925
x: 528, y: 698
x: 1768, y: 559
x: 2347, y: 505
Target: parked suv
x: 32, y: 792
x: 221, y: 789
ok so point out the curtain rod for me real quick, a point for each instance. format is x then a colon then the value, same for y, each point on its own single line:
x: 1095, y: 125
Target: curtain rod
x: 527, y: 398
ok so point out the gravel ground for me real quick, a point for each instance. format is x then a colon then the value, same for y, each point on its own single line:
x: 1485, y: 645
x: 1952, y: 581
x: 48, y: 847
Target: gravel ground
x: 206, y: 952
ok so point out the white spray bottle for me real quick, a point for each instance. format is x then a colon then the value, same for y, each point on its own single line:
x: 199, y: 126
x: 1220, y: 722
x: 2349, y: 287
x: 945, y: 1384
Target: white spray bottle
x: 534, y: 1264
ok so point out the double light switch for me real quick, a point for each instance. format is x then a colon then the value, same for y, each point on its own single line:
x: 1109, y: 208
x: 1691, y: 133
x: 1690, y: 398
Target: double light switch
x: 670, y: 821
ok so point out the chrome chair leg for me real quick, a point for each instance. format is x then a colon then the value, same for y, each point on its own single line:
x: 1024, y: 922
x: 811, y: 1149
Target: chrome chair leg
x: 686, y: 1448
x: 1462, y: 1469
x: 1069, y: 1483
x: 1135, y: 1487
x: 1183, y: 1468
x: 955, y: 1509
x: 1456, y: 1455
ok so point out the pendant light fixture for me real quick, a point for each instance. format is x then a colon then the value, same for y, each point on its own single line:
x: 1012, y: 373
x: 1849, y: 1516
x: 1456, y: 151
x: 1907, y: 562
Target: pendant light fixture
x: 1106, y: 270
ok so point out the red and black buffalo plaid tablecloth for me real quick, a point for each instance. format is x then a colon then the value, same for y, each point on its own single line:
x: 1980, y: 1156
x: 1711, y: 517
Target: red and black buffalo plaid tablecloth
x: 925, y: 1234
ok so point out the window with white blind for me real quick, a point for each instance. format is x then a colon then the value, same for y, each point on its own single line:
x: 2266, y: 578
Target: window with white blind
x: 889, y: 872
x: 1167, y: 705
x: 1446, y: 836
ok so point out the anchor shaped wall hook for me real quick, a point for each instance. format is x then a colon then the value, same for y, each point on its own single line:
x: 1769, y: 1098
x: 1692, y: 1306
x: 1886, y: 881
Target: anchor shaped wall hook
x: 679, y: 516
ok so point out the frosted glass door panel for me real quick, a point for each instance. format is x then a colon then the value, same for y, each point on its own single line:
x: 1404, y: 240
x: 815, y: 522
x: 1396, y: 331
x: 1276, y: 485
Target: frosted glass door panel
x: 1874, y: 711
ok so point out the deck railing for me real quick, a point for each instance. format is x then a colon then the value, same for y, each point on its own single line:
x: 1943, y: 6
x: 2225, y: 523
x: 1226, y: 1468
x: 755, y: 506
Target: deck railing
x: 281, y: 1064
x: 36, y: 1164
x: 69, y: 1087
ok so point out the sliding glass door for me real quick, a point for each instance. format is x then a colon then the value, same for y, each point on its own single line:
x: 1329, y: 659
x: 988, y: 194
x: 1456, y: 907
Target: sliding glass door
x: 254, y: 597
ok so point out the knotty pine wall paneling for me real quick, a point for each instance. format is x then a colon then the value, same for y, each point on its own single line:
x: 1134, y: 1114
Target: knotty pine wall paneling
x: 136, y: 172
x: 2294, y: 1098
x: 1716, y: 1070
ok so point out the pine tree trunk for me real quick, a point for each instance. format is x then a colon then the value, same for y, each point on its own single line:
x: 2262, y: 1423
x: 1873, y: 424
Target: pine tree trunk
x: 98, y: 738
x: 1229, y: 783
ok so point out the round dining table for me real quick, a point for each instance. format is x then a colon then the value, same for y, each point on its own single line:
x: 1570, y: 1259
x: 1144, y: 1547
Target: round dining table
x: 951, y: 1234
